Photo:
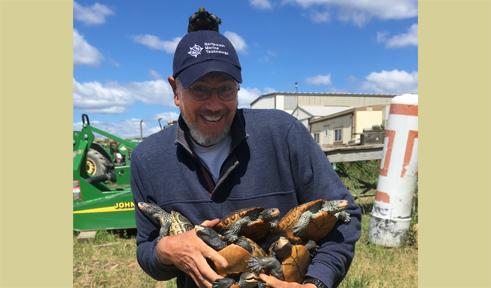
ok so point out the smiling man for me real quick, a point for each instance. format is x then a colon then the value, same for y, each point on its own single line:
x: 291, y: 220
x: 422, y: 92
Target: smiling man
x: 218, y: 159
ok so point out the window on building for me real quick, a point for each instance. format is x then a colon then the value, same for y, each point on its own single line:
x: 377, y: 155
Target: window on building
x: 338, y: 134
x: 316, y: 137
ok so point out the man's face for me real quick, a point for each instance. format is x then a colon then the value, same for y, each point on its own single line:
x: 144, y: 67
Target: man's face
x: 208, y: 106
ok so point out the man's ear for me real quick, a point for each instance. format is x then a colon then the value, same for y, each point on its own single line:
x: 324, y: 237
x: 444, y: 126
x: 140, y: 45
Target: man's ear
x: 173, y: 85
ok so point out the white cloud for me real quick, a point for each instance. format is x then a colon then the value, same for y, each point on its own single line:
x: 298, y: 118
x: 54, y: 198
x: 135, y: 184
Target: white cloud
x: 83, y: 52
x: 154, y: 42
x: 361, y: 11
x: 93, y: 15
x: 410, y: 38
x: 114, y: 98
x: 268, y: 57
x: 155, y: 75
x: 319, y: 80
x: 238, y: 42
x: 129, y: 128
x: 261, y: 4
x: 394, y: 81
x: 320, y: 16
x: 247, y: 95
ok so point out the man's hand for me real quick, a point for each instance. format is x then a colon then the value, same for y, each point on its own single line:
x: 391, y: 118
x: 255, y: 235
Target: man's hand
x: 274, y: 282
x: 188, y: 253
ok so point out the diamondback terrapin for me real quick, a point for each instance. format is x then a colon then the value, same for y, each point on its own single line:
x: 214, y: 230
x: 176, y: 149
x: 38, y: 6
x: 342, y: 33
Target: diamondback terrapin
x: 236, y: 253
x: 312, y: 220
x: 253, y: 223
x: 294, y: 259
x: 170, y: 223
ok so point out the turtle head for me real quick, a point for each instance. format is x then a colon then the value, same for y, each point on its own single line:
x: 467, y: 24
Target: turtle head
x: 152, y: 210
x: 270, y: 214
x: 334, y: 206
x: 247, y: 280
x: 281, y: 248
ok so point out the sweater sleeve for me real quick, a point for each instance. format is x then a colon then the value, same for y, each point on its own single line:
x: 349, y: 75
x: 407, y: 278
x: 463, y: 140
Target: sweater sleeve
x: 147, y: 230
x: 315, y: 178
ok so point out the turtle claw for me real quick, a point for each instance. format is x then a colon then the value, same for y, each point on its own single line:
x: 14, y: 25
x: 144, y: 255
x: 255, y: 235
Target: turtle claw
x: 230, y: 238
x: 298, y: 230
x: 254, y: 265
x: 343, y: 216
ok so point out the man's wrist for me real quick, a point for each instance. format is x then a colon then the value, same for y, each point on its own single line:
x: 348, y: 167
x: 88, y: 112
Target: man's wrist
x: 318, y: 283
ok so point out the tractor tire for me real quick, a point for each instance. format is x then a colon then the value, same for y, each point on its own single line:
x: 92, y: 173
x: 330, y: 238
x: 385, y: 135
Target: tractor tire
x: 96, y: 164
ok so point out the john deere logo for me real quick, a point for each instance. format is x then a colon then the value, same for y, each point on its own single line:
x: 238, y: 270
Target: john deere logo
x: 195, y: 50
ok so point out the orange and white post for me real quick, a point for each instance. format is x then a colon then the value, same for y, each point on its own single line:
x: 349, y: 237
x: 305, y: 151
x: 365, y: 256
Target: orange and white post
x: 391, y: 213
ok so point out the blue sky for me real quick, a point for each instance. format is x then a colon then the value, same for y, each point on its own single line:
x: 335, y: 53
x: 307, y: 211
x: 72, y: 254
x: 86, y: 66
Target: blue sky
x: 123, y: 52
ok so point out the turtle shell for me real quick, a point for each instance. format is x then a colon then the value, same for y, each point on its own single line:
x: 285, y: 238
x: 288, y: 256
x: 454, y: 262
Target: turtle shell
x: 236, y: 257
x: 286, y: 224
x: 256, y: 229
x: 257, y: 251
x: 294, y: 258
x: 260, y: 228
x: 231, y: 218
x: 295, y: 265
x: 179, y: 223
x: 319, y: 226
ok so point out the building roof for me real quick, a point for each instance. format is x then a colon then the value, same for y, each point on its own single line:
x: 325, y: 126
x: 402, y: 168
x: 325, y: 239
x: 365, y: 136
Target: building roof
x: 318, y: 111
x: 322, y: 94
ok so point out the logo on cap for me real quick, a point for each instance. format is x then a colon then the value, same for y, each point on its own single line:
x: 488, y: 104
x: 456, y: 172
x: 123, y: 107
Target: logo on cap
x: 195, y: 50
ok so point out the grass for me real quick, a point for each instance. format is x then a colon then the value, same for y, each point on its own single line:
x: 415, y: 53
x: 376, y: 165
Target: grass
x: 109, y: 261
x: 377, y: 266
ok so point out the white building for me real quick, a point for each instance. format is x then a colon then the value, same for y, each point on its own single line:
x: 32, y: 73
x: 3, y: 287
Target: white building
x: 288, y: 102
x: 345, y: 127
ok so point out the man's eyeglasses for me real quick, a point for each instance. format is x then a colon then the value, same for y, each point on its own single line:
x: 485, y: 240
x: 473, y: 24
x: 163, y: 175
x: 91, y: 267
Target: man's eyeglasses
x: 224, y: 93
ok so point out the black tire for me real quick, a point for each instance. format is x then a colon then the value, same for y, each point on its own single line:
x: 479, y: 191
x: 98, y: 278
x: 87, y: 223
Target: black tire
x: 96, y: 163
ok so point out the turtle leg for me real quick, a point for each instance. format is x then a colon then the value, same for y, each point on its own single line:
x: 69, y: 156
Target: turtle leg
x: 254, y: 264
x: 343, y: 216
x: 164, y: 229
x: 232, y: 233
x: 267, y: 264
x: 223, y: 283
x: 302, y: 222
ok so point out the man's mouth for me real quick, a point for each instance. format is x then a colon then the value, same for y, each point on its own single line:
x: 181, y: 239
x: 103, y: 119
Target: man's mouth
x: 213, y: 118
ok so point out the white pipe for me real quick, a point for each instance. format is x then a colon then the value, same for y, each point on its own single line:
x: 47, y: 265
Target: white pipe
x: 391, y: 213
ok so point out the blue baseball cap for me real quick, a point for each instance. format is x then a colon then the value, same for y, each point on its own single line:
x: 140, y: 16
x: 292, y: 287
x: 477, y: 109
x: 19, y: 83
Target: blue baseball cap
x: 201, y: 52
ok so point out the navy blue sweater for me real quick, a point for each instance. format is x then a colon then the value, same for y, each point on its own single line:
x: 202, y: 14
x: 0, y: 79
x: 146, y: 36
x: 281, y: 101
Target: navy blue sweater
x: 274, y: 162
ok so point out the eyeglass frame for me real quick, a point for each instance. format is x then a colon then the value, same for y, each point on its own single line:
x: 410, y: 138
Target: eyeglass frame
x: 210, y: 91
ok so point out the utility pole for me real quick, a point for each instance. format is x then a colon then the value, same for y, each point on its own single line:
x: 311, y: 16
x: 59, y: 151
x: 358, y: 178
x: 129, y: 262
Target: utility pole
x: 141, y: 130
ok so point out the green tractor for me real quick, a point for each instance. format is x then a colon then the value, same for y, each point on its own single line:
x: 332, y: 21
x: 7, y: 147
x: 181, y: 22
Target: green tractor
x: 102, y: 197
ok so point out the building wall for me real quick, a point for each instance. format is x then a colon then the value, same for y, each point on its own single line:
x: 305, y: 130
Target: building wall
x: 280, y: 102
x: 267, y: 102
x: 353, y: 101
x: 302, y: 117
x: 290, y: 102
x: 367, y: 119
x: 327, y: 128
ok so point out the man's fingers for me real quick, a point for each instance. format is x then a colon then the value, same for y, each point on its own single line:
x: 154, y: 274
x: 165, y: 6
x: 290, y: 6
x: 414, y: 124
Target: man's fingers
x: 205, y: 270
x: 197, y: 277
x: 270, y: 280
x: 213, y: 255
x: 210, y: 223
